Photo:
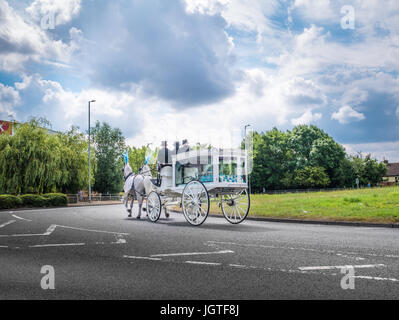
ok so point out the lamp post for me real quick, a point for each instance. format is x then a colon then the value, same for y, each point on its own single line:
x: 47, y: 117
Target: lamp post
x: 92, y: 101
x: 245, y: 145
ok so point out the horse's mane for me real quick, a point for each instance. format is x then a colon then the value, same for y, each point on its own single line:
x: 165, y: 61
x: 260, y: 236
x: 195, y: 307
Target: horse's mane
x: 128, y: 169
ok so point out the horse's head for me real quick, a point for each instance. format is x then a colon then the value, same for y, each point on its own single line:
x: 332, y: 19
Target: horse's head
x: 126, y: 170
x: 145, y: 170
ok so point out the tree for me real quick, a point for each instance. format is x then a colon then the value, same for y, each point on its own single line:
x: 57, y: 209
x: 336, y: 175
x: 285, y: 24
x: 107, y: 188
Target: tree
x: 272, y: 159
x: 313, y: 147
x: 137, y: 157
x: 307, y: 178
x: 35, y: 161
x: 109, y: 146
x: 74, y: 161
x: 368, y: 170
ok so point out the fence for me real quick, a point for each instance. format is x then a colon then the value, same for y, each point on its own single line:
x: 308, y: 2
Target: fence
x: 76, y: 198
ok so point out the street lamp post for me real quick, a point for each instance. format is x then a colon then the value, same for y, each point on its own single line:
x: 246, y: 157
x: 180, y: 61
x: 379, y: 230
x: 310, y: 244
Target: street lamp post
x: 245, y: 145
x: 92, y: 101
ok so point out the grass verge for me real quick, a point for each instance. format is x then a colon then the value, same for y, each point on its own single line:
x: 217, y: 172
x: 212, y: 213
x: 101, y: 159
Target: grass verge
x: 365, y: 205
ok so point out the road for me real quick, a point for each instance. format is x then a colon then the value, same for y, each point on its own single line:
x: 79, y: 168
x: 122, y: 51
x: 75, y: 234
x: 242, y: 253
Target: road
x: 98, y: 253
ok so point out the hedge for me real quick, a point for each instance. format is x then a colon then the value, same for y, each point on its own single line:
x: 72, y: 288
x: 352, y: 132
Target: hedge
x: 33, y: 200
x: 9, y: 202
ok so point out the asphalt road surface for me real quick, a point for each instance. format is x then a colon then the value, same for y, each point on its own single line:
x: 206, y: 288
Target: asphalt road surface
x: 98, y: 253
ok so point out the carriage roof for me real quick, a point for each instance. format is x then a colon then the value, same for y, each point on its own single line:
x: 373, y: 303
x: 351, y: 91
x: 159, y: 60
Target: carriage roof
x: 194, y: 154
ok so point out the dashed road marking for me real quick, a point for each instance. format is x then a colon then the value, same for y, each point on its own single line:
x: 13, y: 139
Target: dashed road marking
x: 238, y: 266
x: 340, y: 267
x: 92, y: 230
x: 357, y: 254
x: 19, y: 218
x: 376, y: 278
x: 7, y: 223
x: 191, y: 253
x: 204, y: 263
x: 57, y: 245
x: 142, y: 258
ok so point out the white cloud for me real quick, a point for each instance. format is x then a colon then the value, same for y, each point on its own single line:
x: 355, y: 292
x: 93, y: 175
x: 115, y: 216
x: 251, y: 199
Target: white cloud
x: 64, y: 10
x: 397, y: 112
x: 22, y: 42
x: 381, y: 150
x: 307, y: 118
x: 347, y: 114
x: 9, y: 97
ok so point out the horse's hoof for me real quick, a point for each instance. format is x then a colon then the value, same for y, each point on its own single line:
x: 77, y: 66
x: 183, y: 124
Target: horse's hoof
x: 129, y: 216
x: 138, y: 218
x: 167, y: 215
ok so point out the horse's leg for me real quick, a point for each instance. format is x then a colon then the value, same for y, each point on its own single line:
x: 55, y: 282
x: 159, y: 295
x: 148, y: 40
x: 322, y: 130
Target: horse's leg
x: 125, y: 200
x: 140, y: 201
x: 166, y: 212
x: 131, y: 207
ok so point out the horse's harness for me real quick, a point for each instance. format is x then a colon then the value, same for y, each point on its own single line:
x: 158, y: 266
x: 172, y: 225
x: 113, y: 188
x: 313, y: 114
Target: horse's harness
x: 134, y: 178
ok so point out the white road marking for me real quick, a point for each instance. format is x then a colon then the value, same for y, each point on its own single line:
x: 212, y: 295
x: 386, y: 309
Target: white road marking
x: 50, y: 230
x: 341, y: 267
x: 376, y: 278
x: 19, y: 218
x: 215, y: 243
x: 4, y: 247
x: 350, y: 256
x: 119, y: 239
x: 22, y: 235
x: 204, y: 263
x: 142, y: 258
x: 191, y: 253
x: 238, y: 266
x: 92, y: 230
x: 7, y: 223
x: 57, y: 245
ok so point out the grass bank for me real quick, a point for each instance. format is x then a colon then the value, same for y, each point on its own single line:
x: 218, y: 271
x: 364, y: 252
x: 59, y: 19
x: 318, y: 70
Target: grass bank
x: 366, y: 205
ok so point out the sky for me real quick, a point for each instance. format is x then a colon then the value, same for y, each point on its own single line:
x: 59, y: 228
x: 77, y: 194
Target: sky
x: 203, y: 69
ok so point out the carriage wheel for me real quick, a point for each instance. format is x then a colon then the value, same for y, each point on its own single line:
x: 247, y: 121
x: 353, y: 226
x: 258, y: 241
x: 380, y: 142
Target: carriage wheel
x: 235, y: 207
x: 154, y: 206
x: 195, y: 203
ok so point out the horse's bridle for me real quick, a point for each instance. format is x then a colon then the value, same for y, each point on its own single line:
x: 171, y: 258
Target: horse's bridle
x: 130, y: 174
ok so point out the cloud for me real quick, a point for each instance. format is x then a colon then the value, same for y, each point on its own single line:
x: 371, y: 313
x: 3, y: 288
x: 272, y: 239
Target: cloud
x: 307, y: 118
x: 171, y: 54
x: 381, y: 150
x: 22, y: 42
x: 347, y: 114
x: 9, y: 97
x: 64, y: 11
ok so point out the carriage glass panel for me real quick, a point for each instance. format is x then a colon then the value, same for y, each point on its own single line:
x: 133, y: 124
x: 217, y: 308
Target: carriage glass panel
x: 197, y: 167
x: 228, y: 169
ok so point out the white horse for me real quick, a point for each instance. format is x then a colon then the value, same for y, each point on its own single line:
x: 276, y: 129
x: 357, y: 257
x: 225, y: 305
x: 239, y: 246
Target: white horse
x: 138, y: 186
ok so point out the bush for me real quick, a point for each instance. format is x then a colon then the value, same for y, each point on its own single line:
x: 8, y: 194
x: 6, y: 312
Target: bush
x: 33, y: 200
x: 56, y: 199
x: 9, y: 202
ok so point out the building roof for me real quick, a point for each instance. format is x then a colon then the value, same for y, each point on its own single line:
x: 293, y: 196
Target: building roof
x: 393, y: 170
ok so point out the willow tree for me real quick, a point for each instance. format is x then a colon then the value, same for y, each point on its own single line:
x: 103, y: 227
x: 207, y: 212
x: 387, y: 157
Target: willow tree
x: 35, y: 161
